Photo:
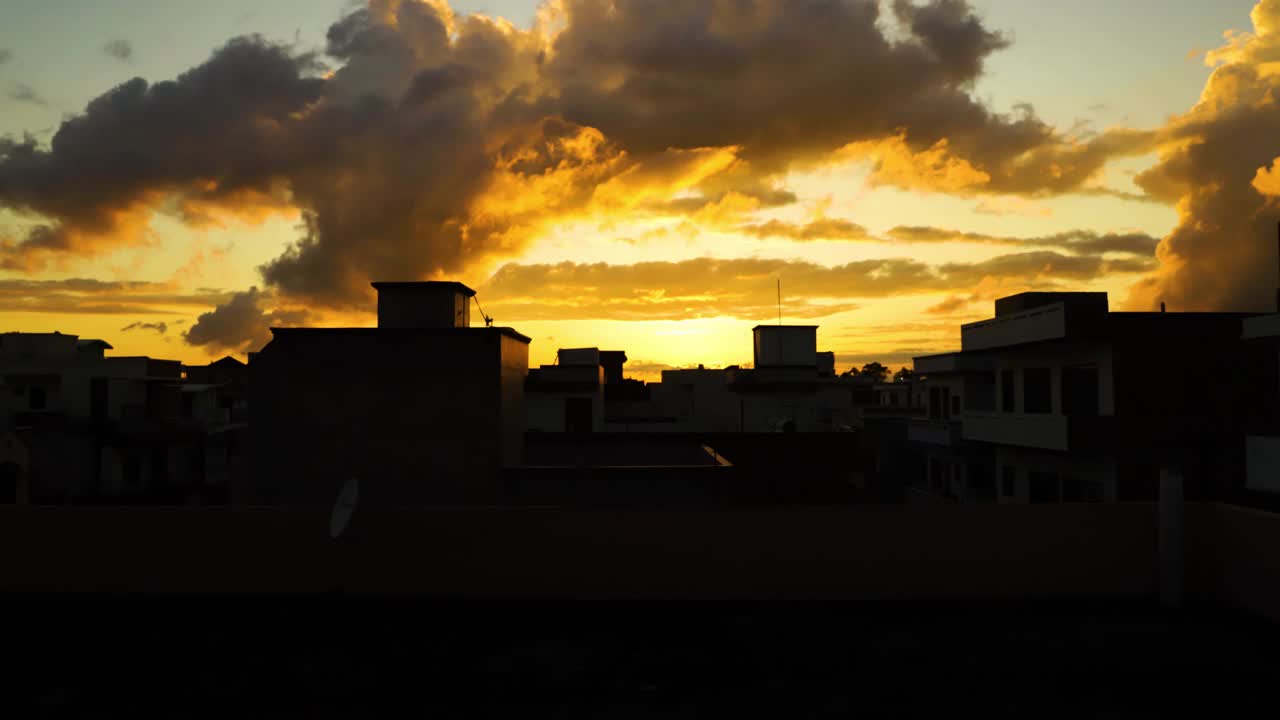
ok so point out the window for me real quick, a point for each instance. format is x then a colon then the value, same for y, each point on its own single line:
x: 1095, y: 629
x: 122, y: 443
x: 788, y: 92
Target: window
x: 1042, y: 487
x: 1072, y: 490
x: 1037, y: 390
x: 955, y: 405
x: 1006, y: 392
x: 1093, y: 491
x: 1080, y: 390
x: 1009, y: 481
x: 980, y: 392
x: 577, y: 415
x: 982, y: 485
x: 39, y: 398
x: 938, y: 403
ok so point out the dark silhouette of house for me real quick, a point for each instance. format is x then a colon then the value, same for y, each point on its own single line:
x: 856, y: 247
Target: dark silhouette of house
x: 423, y: 409
x: 1057, y: 399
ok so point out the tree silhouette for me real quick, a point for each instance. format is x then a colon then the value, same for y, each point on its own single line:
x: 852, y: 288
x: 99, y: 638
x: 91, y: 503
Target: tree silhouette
x: 904, y: 374
x: 874, y: 370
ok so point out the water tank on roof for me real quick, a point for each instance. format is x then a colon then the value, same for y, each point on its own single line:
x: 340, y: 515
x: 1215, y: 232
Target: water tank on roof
x: 786, y: 346
x: 423, y: 304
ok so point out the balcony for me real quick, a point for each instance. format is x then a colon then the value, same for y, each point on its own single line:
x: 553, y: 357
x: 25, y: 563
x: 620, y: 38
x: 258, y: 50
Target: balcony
x: 949, y: 363
x: 1044, y: 432
x: 1048, y: 322
x: 934, y: 432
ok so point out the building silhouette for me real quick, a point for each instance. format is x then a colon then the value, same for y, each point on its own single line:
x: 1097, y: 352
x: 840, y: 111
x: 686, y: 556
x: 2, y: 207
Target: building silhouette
x: 81, y: 427
x: 422, y: 408
x: 1058, y: 399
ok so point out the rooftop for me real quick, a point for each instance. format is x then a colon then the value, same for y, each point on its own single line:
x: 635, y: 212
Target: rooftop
x: 285, y: 332
x: 432, y: 285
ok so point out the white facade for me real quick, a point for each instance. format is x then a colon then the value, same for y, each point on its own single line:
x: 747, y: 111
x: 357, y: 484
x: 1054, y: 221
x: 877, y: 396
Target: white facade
x: 561, y: 398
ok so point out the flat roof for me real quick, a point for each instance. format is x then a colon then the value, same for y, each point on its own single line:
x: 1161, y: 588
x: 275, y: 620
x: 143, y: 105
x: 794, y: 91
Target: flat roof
x: 94, y: 341
x: 509, y: 332
x: 423, y: 285
x: 785, y: 327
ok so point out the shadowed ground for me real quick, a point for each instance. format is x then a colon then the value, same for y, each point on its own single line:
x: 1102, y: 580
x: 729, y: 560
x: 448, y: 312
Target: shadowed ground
x: 296, y: 657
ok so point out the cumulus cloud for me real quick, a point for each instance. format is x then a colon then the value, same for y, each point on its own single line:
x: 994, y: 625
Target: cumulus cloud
x: 424, y: 143
x: 1214, y: 166
x: 160, y: 328
x: 241, y: 323
x: 119, y: 49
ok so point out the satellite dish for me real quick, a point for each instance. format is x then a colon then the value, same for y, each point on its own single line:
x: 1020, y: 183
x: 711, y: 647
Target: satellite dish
x: 340, y: 518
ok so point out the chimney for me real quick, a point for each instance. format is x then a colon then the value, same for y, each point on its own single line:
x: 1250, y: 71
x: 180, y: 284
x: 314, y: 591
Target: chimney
x: 423, y: 305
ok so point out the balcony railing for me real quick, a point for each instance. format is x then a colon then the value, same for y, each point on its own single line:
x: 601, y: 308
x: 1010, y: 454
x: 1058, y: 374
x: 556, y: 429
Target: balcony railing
x: 934, y: 432
x: 1047, y: 432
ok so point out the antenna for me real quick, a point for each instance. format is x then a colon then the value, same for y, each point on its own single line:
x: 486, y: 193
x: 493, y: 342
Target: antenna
x: 488, y: 321
x: 779, y: 302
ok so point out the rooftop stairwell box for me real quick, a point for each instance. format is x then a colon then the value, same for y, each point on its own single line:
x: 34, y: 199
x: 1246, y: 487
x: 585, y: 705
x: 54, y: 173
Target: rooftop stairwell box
x: 427, y: 304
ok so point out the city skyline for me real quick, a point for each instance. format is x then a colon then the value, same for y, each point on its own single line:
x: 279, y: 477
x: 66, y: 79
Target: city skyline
x: 643, y: 192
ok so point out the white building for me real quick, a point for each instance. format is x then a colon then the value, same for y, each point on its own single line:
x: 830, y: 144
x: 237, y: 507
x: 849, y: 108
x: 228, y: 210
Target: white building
x: 567, y: 396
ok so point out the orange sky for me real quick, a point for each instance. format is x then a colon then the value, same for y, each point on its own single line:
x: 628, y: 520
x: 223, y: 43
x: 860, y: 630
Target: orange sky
x: 633, y: 176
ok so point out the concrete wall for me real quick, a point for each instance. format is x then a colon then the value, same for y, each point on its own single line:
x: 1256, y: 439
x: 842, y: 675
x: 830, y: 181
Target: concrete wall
x: 764, y: 411
x: 785, y: 346
x: 862, y: 552
x: 546, y: 410
x: 418, y: 417
x: 1238, y: 558
x: 897, y: 552
x: 699, y: 400
x: 1100, y: 470
x: 1262, y: 459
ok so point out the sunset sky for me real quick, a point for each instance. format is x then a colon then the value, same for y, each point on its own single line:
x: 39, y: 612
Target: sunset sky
x: 176, y: 176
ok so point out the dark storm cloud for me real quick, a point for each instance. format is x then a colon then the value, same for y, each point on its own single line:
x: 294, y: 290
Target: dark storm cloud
x: 119, y: 49
x: 219, y: 133
x: 793, y: 80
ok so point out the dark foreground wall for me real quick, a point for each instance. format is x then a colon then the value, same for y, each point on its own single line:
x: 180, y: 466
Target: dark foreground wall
x: 866, y: 552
